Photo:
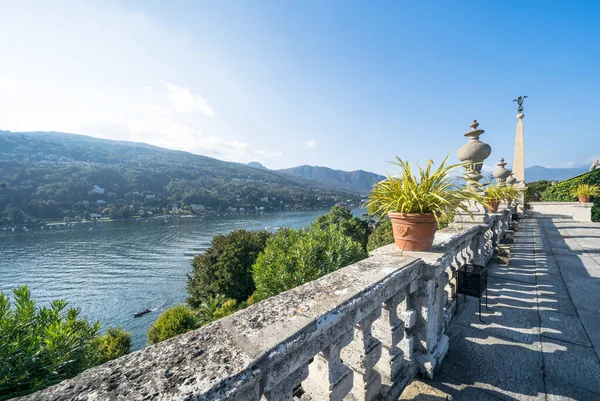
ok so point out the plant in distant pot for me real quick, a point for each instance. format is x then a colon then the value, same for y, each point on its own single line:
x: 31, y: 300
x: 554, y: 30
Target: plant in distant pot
x: 511, y: 194
x: 494, y: 195
x: 585, y: 192
x: 417, y: 201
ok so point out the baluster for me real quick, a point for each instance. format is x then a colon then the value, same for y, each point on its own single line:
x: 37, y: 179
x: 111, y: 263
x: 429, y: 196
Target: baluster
x: 329, y: 378
x: 283, y: 391
x: 362, y: 355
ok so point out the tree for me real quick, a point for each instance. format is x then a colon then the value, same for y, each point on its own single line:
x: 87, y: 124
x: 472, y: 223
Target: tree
x: 534, y: 190
x: 115, y: 343
x: 294, y: 257
x: 41, y: 346
x: 382, y: 235
x: 226, y: 267
x: 177, y: 320
x: 351, y: 226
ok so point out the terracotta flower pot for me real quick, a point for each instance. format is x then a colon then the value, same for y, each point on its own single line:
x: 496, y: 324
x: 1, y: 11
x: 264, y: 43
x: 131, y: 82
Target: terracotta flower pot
x: 413, y: 231
x: 492, y: 206
x: 585, y: 198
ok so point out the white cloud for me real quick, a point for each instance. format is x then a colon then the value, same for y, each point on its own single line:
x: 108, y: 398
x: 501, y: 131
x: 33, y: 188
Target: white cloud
x: 311, y: 144
x: 185, y: 102
x: 107, y: 73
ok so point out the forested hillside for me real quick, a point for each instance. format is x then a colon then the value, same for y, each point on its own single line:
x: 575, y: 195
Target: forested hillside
x: 54, y: 175
x: 358, y: 181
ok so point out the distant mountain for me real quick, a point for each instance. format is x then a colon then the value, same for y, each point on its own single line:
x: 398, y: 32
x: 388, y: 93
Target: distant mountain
x: 358, y: 181
x: 52, y: 175
x: 537, y: 173
x: 256, y: 165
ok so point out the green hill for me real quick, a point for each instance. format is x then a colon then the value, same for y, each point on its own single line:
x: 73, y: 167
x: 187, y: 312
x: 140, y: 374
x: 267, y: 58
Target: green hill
x: 52, y: 175
x: 358, y: 181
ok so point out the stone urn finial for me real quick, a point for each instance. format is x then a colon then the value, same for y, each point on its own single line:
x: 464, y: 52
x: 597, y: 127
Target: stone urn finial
x: 501, y: 173
x: 511, y: 180
x: 474, y: 152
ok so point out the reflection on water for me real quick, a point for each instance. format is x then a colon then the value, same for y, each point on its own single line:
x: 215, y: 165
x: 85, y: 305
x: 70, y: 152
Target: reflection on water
x: 117, y: 268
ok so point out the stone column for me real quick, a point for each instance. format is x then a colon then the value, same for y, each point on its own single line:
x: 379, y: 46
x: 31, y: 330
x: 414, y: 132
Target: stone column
x: 474, y: 152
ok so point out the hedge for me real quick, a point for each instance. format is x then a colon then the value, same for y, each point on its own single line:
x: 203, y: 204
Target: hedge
x: 561, y: 191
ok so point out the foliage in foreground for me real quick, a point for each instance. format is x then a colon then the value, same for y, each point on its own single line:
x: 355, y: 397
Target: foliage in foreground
x: 295, y: 257
x: 41, y: 346
x: 562, y: 191
x: 176, y: 320
x: 422, y: 191
x: 351, y: 226
x: 226, y: 267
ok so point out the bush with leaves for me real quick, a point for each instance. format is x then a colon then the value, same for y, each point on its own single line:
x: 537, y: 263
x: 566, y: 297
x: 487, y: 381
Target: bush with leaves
x: 535, y: 189
x: 115, y: 343
x: 226, y: 267
x: 349, y: 225
x: 382, y: 235
x: 295, y: 257
x: 562, y: 191
x: 176, y: 320
x: 41, y: 346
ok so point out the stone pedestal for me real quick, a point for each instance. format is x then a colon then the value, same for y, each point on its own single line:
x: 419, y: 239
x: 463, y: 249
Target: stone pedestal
x: 463, y: 220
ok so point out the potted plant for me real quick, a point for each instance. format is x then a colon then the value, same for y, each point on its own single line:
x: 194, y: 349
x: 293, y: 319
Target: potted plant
x: 510, y: 194
x: 494, y: 195
x: 584, y: 192
x: 416, y: 202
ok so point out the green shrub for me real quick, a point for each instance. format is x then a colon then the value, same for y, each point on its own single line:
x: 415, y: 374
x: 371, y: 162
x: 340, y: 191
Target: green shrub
x: 230, y: 306
x: 535, y: 189
x: 176, y: 320
x: 226, y: 267
x: 562, y: 191
x: 294, y: 257
x: 351, y: 226
x: 42, y: 346
x: 382, y: 235
x: 115, y: 343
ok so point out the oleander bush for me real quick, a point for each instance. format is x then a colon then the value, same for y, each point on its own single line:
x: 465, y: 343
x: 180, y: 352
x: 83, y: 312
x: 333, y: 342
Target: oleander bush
x: 41, y: 346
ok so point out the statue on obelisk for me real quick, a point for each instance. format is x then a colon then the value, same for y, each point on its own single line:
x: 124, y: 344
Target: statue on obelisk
x: 518, y: 167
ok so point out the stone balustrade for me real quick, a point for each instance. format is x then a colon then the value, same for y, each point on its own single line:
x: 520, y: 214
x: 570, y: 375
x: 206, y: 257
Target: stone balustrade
x: 360, y: 333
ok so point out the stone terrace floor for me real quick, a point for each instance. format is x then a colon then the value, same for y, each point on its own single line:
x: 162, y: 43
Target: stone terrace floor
x: 541, y: 339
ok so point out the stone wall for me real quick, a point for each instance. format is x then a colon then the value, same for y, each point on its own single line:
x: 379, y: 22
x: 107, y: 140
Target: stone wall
x: 574, y: 210
x: 360, y: 333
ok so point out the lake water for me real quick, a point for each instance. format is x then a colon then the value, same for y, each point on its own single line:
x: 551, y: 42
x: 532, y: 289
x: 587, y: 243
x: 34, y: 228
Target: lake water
x: 113, y: 269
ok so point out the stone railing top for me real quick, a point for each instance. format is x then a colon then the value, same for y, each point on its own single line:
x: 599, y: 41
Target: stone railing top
x: 259, y: 346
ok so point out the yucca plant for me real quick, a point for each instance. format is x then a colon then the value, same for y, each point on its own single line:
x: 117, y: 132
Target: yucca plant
x: 436, y: 192
x: 584, y: 192
x: 510, y: 193
x: 418, y: 201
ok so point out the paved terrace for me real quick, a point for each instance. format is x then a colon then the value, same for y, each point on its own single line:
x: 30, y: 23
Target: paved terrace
x: 541, y: 339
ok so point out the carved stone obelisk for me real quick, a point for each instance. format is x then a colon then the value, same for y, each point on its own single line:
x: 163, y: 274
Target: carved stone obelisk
x: 518, y: 167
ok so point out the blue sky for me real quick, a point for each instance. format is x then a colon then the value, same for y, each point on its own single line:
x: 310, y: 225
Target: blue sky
x: 344, y: 84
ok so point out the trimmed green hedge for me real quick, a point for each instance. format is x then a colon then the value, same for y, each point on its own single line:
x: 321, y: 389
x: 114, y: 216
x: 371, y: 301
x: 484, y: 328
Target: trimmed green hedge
x: 561, y: 191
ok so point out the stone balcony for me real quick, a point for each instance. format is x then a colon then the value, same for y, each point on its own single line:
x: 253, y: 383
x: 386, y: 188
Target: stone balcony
x: 362, y: 332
